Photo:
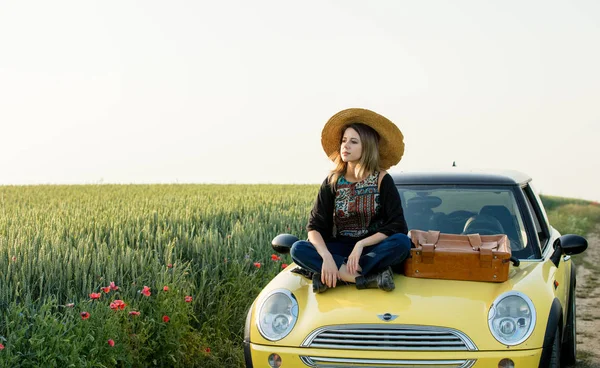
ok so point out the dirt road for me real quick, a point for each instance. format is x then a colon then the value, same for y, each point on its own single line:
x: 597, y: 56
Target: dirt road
x: 588, y: 304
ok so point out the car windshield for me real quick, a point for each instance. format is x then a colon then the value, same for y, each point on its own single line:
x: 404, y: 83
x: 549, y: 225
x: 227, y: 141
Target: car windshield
x: 466, y: 210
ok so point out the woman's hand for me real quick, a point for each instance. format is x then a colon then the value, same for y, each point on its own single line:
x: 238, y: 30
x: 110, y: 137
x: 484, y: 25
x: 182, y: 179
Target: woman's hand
x: 329, y: 272
x: 352, y: 264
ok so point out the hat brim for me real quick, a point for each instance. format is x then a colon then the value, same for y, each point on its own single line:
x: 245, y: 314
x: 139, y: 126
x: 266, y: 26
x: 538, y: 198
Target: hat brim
x: 391, y: 139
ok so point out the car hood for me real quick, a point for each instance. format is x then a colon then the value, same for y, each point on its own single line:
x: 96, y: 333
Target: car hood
x: 458, y: 305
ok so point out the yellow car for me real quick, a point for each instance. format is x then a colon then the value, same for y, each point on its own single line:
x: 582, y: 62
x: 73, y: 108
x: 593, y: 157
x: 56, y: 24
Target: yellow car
x: 526, y: 321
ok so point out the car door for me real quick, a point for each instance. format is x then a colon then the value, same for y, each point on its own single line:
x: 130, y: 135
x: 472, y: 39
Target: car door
x: 546, y: 236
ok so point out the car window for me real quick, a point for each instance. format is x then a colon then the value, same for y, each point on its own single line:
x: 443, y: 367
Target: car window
x: 466, y: 210
x: 538, y: 214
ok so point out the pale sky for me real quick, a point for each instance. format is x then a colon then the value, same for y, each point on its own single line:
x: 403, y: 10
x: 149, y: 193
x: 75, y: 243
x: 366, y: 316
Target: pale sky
x: 238, y: 91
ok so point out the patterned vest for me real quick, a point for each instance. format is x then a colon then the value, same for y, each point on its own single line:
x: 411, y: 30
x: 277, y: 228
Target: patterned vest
x: 355, y: 206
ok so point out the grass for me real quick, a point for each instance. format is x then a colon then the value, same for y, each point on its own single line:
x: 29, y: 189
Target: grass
x: 584, y: 360
x: 552, y: 202
x: 572, y: 216
x: 59, y: 244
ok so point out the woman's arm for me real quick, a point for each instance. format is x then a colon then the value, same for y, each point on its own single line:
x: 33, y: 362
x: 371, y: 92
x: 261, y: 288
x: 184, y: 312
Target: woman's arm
x: 321, y: 215
x: 392, y: 212
x: 316, y: 239
x: 372, y: 240
x: 320, y: 227
x: 329, y: 271
x: 360, y: 245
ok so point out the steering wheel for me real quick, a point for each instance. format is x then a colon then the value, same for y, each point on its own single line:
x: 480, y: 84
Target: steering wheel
x: 456, y: 219
x: 459, y: 216
x: 483, y: 225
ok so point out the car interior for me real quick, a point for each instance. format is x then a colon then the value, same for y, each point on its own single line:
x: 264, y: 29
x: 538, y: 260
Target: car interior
x: 466, y: 211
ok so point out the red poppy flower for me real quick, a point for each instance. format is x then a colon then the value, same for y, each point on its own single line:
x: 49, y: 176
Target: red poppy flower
x: 188, y: 299
x: 165, y: 288
x: 1, y: 347
x: 113, y: 286
x: 170, y: 265
x: 111, y: 342
x: 207, y: 350
x: 95, y: 295
x: 84, y: 315
x: 257, y: 264
x: 134, y: 313
x: 117, y: 305
x: 284, y: 265
x: 106, y: 289
x: 275, y: 257
x: 146, y: 291
x: 166, y: 319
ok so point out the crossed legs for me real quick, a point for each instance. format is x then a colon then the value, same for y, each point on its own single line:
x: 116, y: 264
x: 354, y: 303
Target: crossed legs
x: 375, y: 259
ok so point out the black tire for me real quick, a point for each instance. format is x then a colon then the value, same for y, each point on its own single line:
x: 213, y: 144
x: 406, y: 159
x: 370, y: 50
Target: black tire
x: 569, y: 348
x: 556, y: 350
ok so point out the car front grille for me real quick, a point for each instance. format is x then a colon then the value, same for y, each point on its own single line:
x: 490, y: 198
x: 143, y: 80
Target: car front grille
x: 323, y: 362
x: 389, y: 338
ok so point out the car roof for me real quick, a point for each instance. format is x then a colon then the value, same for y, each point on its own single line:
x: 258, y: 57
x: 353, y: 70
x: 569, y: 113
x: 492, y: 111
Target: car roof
x: 459, y: 176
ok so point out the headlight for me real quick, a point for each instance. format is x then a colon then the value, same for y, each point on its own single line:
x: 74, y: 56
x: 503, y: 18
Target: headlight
x: 511, y: 318
x: 277, y: 314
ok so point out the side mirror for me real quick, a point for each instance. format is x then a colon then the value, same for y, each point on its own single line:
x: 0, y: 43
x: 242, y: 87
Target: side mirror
x: 571, y: 244
x: 568, y: 244
x: 282, y: 243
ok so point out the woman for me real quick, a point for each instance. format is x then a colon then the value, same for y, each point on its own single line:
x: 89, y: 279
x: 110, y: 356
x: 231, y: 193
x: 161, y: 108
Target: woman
x: 356, y: 230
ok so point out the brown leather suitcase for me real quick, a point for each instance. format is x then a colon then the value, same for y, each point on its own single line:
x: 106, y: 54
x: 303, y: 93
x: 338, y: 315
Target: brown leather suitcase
x: 470, y: 257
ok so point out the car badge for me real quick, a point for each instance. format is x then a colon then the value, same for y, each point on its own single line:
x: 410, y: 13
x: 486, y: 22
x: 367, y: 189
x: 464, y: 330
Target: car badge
x: 387, y: 317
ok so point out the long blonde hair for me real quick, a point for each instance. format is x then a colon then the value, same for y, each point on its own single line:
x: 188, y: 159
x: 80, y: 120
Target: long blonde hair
x: 369, y: 159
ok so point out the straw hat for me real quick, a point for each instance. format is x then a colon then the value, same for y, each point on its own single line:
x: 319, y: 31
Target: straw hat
x: 391, y: 140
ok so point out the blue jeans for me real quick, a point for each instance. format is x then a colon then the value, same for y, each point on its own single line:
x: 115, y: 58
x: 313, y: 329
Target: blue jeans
x: 391, y: 251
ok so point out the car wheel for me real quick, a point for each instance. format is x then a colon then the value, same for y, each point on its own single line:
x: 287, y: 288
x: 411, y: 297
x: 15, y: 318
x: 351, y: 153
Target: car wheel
x: 569, y: 348
x: 555, y: 357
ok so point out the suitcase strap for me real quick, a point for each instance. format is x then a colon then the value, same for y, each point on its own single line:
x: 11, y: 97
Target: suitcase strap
x: 485, y: 250
x: 428, y: 248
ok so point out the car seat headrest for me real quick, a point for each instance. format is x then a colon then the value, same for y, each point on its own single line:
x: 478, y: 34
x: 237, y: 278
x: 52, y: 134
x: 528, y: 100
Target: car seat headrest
x: 427, y: 202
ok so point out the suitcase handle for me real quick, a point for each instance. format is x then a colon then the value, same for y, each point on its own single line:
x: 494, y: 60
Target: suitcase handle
x: 485, y: 250
x: 432, y: 237
x: 475, y: 241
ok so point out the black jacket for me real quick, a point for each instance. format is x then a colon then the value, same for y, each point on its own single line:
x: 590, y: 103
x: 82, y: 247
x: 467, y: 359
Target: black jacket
x: 390, y: 218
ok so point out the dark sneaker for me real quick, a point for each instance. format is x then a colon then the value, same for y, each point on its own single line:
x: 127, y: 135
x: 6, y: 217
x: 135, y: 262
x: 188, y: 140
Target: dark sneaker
x: 318, y: 286
x: 385, y: 280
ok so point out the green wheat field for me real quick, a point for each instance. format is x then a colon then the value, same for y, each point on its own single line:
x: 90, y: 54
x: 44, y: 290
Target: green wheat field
x: 186, y: 262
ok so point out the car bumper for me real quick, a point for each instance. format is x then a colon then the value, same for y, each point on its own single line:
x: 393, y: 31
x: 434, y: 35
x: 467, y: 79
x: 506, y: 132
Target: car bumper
x: 303, y: 357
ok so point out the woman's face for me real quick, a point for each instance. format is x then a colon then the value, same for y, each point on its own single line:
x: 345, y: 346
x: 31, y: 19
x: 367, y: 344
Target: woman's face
x: 351, y: 147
